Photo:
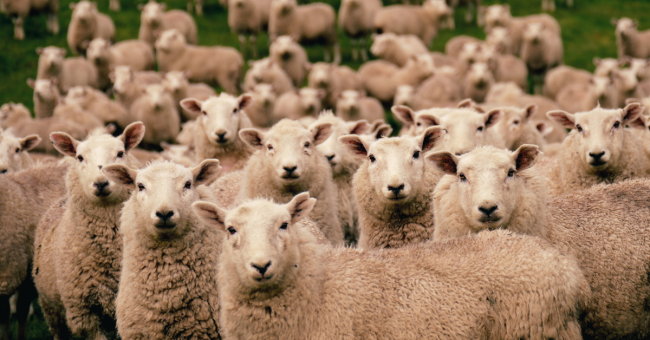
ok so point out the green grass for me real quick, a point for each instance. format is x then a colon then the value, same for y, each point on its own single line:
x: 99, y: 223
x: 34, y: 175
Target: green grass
x: 586, y: 31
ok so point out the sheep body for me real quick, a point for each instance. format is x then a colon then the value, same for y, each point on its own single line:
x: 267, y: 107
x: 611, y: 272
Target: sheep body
x: 267, y: 71
x: 397, y: 49
x: 380, y: 78
x: 18, y: 10
x: 334, y: 80
x: 180, y: 88
x: 421, y: 21
x: 562, y: 76
x: 87, y: 24
x: 356, y: 19
x: 630, y: 41
x: 69, y: 72
x: 296, y: 105
x: 355, y: 105
x: 291, y: 57
x: 133, y: 53
x: 157, y: 111
x: 541, y: 50
x: 46, y: 97
x: 260, y: 111
x: 74, y: 113
x: 98, y: 104
x: 154, y: 21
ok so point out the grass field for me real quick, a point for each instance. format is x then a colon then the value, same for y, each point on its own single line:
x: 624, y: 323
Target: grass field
x: 586, y: 31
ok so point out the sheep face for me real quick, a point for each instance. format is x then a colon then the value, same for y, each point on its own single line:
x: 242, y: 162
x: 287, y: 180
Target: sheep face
x: 220, y: 116
x: 336, y: 154
x: 51, y: 57
x: 603, y: 89
x: 84, y: 11
x: 152, y: 13
x: 497, y: 15
x: 170, y: 40
x: 289, y: 149
x: 381, y: 42
x: 310, y: 100
x: 396, y: 166
x: 13, y: 152
x: 123, y: 78
x: 260, y: 250
x: 284, y: 7
x: 77, y: 94
x: 533, y: 33
x: 466, y: 129
x: 511, y: 125
x: 404, y: 95
x: 11, y: 112
x: 320, y: 75
x: 259, y: 68
x: 163, y: 194
x: 264, y: 94
x: 626, y: 27
x: 175, y: 82
x: 471, y: 53
x: 628, y: 80
x: 599, y: 133
x: 95, y: 153
x: 488, y: 182
x: 480, y: 76
x: 44, y: 89
x: 499, y: 39
x: 283, y: 47
x: 605, y: 67
x: 157, y: 97
x: 349, y: 101
x: 98, y: 50
x: 424, y: 64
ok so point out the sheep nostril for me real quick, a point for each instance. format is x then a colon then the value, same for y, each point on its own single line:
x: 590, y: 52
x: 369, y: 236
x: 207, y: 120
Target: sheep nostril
x: 329, y: 158
x: 489, y: 210
x: 261, y: 269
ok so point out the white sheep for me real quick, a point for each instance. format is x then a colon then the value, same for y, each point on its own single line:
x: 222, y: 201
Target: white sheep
x: 455, y: 45
x: 355, y: 105
x: 46, y: 96
x: 305, y: 102
x: 629, y: 41
x: 563, y: 76
x: 291, y: 57
x: 154, y: 20
x: 380, y: 79
x: 180, y: 88
x: 14, y: 154
x: 87, y: 24
x: 422, y: 21
x: 542, y: 50
x: 69, y: 72
x: 275, y: 281
x: 478, y: 81
x: 18, y: 10
x: 585, y: 97
x: 442, y: 89
x: 73, y: 112
x: 134, y: 53
x: 604, y: 67
x: 334, y: 79
x: 356, y: 19
x: 517, y: 127
x: 248, y: 18
x: 397, y: 49
x: 157, y: 110
x: 99, y: 105
x: 499, y: 38
x: 626, y: 84
x: 267, y: 71
x: 260, y: 111
x: 214, y: 65
x: 506, y: 67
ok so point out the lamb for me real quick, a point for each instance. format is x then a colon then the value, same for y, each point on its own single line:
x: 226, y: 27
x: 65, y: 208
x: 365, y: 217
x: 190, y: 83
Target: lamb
x: 18, y: 10
x: 216, y: 134
x: 585, y: 97
x: 267, y: 71
x: 609, y: 244
x: 542, y: 50
x: 248, y: 18
x: 295, y: 105
x: 77, y: 285
x: 46, y: 96
x: 27, y: 196
x: 422, y: 21
x: 290, y: 57
x: 356, y: 20
x: 392, y: 189
x: 478, y: 81
x: 87, y: 24
x: 172, y: 257
x: 563, y: 76
x: 157, y: 111
x: 69, y: 72
x: 134, y: 53
x: 397, y: 49
x: 13, y: 152
x: 260, y: 111
x: 598, y: 150
x: 517, y: 128
x: 380, y: 79
x: 154, y: 21
x: 305, y: 23
x: 98, y: 104
x: 177, y: 85
x: 355, y: 105
x: 605, y: 67
x: 211, y: 65
x: 538, y: 297
x: 629, y: 41
x: 334, y: 80
x: 71, y: 111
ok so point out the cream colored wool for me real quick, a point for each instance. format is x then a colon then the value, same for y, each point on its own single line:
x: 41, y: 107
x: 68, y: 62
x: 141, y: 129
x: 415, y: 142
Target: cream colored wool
x: 296, y: 105
x: 629, y: 40
x: 73, y: 112
x: 439, y: 90
x: 421, y: 21
x: 13, y: 152
x: 500, y: 16
x: 154, y: 20
x: 563, y: 76
x: 477, y: 81
x: 397, y: 49
x: 334, y: 79
x: 247, y: 19
x: 541, y: 50
x: 355, y: 105
x: 380, y: 79
x: 490, y: 286
x: 291, y: 57
x: 84, y: 249
x: 390, y: 218
x: 267, y: 71
x: 98, y: 104
x: 157, y: 111
x: 69, y: 72
x: 168, y: 286
x: 87, y: 24
x: 134, y: 53
x: 260, y: 111
x: 516, y: 127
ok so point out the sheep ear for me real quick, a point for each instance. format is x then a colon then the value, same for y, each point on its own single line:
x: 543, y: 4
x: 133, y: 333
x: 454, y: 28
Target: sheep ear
x: 526, y: 156
x: 31, y: 83
x: 121, y: 174
x: 404, y: 114
x: 563, y: 118
x: 466, y: 104
x: 64, y: 143
x: 638, y: 123
x: 300, y: 206
x: 244, y: 101
x: 321, y: 132
x: 359, y: 127
x: 430, y: 138
x: 614, y: 21
x: 492, y: 117
x: 132, y: 135
x: 530, y: 111
x: 430, y: 119
x: 383, y: 131
x: 29, y: 142
x: 355, y: 145
x: 444, y: 161
x: 206, y: 172
x: 544, y: 129
x: 210, y: 214
x: 632, y: 111
x: 252, y: 137
x: 192, y: 105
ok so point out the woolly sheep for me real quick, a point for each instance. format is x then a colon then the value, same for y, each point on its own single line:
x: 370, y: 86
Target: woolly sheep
x: 98, y: 104
x: 604, y: 67
x: 177, y: 85
x: 267, y: 71
x: 397, y: 49
x: 380, y: 79
x: 87, y: 24
x: 610, y: 243
x: 563, y: 76
x: 305, y: 102
x: 134, y: 53
x: 18, y: 10
x: 69, y: 72
x: 415, y: 122
x: 260, y: 111
x: 478, y: 81
x: 77, y: 285
x: 355, y: 105
x: 46, y: 96
x: 517, y: 128
x: 598, y: 150
x: 186, y: 136
x: 291, y: 57
x: 439, y: 90
x: 179, y: 154
x: 455, y: 45
x: 197, y: 6
x: 214, y: 65
x: 169, y: 255
x: 71, y: 111
x: 499, y: 38
x: 272, y: 266
x: 506, y: 67
x: 626, y: 85
x: 542, y: 50
x: 248, y: 18
x: 584, y: 97
x: 334, y: 80
x: 126, y: 88
x: 629, y: 41
x: 157, y: 111
x: 405, y: 95
x: 422, y: 21
x: 500, y: 16
x: 356, y: 20
x: 154, y: 21
x: 305, y: 23
x: 13, y: 152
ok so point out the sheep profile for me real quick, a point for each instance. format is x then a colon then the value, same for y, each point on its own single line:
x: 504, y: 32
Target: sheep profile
x: 291, y: 57
x: 629, y: 41
x: 46, y: 96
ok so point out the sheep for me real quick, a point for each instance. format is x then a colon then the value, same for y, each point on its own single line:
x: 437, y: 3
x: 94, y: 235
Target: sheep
x: 13, y: 152
x: 99, y: 105
x: 177, y: 85
x: 506, y: 67
x: 455, y: 45
x: 563, y: 76
x: 157, y: 111
x: 171, y: 257
x: 405, y: 95
x: 211, y: 65
x: 126, y: 88
x: 604, y: 67
x: 77, y: 285
x: 499, y: 38
x: 267, y: 71
x: 87, y: 24
x: 334, y: 80
x: 260, y: 111
x: 69, y: 72
x: 71, y: 111
x: 305, y: 102
x: 378, y: 130
x: 290, y: 57
x: 629, y: 41
x: 598, y: 150
x: 356, y: 20
x: 542, y: 50
x: 18, y: 10
x: 154, y: 21
x: 196, y: 6
x: 248, y: 18
x: 279, y: 283
x: 603, y: 227
x: 46, y: 96
x: 500, y: 16
x: 626, y: 84
x: 355, y: 105
x: 415, y: 122
x: 478, y: 81
x: 180, y: 154
x: 380, y: 79
x: 217, y: 131
x: 287, y: 162
x: 517, y: 128
x: 134, y: 53
x: 26, y: 197
x: 422, y: 21
x: 305, y: 23
x: 585, y: 97
x: 639, y: 67
x: 397, y: 49
x: 440, y: 90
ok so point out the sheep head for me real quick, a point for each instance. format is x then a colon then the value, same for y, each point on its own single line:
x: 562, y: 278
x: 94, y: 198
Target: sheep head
x: 336, y: 154
x: 221, y: 117
x: 497, y: 15
x: 13, y: 152
x: 51, y: 57
x: 170, y: 40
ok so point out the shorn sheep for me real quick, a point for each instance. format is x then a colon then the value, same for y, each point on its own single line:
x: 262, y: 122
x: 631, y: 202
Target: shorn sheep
x: 392, y: 189
x: 18, y: 10
x: 87, y: 24
x: 154, y: 21
x: 276, y: 282
x: 77, y: 285
x: 605, y: 227
x: 169, y: 255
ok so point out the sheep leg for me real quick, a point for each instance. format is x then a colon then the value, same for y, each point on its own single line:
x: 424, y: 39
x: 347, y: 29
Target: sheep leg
x: 53, y: 20
x: 5, y: 312
x: 337, y: 53
x: 199, y: 7
x: 19, y: 32
x: 327, y: 55
x: 26, y: 294
x: 364, y: 52
x: 114, y: 5
x: 355, y: 53
x: 551, y: 5
x: 468, y: 14
x: 242, y: 45
x: 189, y: 6
x: 252, y: 39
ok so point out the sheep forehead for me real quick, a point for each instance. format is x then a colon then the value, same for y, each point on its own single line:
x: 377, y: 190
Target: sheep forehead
x: 223, y: 103
x: 257, y: 214
x: 351, y: 94
x: 97, y: 145
x: 390, y: 147
x: 308, y: 92
x: 462, y: 117
x: 486, y: 158
x: 155, y: 89
x: 597, y: 118
x: 164, y: 172
x: 287, y: 131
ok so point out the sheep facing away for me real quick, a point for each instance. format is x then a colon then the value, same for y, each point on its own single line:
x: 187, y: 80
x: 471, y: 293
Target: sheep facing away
x: 276, y: 282
x: 87, y: 24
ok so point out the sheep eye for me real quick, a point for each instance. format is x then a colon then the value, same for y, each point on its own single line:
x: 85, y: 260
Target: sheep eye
x: 120, y: 154
x: 205, y: 113
x: 511, y: 173
x: 235, y: 110
x: 416, y: 154
x: 516, y: 122
x: 188, y: 185
x: 419, y: 124
x: 269, y: 147
x: 372, y: 158
x: 80, y: 158
x: 140, y: 187
x: 480, y: 128
x: 462, y: 177
x: 579, y: 128
x: 17, y: 150
x: 284, y: 226
x: 232, y: 230
x: 307, y: 144
x: 616, y: 125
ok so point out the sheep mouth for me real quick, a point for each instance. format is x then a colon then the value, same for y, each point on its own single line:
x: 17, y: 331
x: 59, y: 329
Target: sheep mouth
x: 490, y: 220
x: 598, y: 164
x: 290, y: 177
x: 102, y: 193
x: 264, y: 278
x: 285, y: 56
x: 165, y: 225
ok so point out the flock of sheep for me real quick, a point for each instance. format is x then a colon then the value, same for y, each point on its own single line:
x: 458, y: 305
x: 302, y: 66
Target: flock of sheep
x: 288, y: 212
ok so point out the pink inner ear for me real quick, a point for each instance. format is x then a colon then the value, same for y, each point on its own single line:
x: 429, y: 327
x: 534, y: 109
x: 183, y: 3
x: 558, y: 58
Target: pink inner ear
x: 357, y: 147
x: 445, y: 162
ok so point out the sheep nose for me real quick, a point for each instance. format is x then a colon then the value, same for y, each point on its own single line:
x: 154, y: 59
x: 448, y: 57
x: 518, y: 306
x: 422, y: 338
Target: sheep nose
x: 261, y: 269
x: 597, y: 156
x: 290, y: 170
x: 330, y: 158
x: 487, y: 211
x: 396, y: 190
x: 221, y: 136
x: 100, y: 185
x: 164, y: 216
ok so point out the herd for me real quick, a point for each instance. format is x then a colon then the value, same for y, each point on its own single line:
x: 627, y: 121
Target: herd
x: 424, y: 195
